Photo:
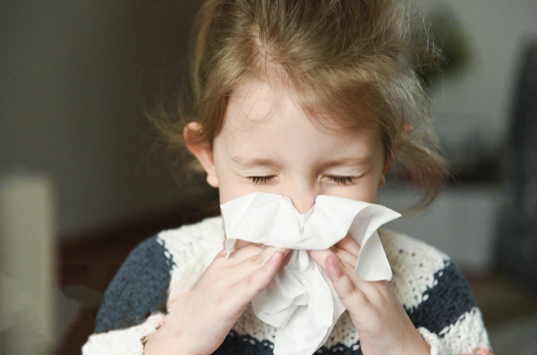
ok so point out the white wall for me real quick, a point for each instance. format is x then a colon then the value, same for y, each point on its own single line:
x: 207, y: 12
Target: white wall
x: 478, y: 100
x: 473, y: 110
x: 72, y: 74
x: 462, y: 222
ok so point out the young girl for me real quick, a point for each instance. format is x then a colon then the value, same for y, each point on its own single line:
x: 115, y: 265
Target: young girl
x: 298, y: 98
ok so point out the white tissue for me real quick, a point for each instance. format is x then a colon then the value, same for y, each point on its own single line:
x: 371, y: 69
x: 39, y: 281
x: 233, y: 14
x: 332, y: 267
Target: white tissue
x: 301, y: 301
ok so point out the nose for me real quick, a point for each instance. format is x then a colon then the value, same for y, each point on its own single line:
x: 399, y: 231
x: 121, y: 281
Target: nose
x: 302, y: 196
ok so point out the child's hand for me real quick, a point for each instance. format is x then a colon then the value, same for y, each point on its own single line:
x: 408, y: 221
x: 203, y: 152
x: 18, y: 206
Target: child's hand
x: 382, y: 324
x: 200, y: 319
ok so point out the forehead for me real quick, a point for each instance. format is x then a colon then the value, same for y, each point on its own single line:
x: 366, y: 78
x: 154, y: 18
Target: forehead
x: 255, y: 100
x: 268, y: 117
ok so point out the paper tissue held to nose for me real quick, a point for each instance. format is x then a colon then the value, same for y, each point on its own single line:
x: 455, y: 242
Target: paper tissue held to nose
x: 301, y: 301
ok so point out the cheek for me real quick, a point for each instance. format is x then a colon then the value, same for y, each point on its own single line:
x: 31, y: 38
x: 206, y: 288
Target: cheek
x: 368, y: 195
x: 231, y: 186
x: 364, y: 190
x: 228, y: 188
x: 359, y: 195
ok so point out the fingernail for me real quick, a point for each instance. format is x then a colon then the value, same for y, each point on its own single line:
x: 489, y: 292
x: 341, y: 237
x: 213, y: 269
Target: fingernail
x: 336, y: 265
x: 275, y: 256
x: 335, y: 262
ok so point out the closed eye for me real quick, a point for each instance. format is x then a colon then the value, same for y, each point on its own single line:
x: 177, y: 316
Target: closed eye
x: 342, y: 180
x: 261, y: 179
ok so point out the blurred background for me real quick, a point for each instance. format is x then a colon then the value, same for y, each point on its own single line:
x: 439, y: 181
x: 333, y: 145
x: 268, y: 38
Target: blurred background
x: 83, y: 177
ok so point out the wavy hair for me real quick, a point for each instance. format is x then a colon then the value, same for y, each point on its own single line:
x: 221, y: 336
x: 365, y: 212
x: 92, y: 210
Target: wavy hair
x: 354, y: 61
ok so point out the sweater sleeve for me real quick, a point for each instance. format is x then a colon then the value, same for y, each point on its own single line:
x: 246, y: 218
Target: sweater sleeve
x: 133, y: 301
x: 436, y: 297
x: 448, y: 317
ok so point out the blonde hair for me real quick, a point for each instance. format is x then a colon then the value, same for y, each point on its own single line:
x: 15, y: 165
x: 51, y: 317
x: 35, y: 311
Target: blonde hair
x: 352, y: 60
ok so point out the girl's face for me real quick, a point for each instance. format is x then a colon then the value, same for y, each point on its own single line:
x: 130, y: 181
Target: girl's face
x: 269, y: 144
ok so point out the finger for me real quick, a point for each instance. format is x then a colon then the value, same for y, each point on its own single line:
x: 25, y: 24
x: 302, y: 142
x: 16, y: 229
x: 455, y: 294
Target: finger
x: 241, y: 243
x: 245, y: 252
x: 368, y: 288
x: 350, y: 247
x: 349, y: 244
x: 224, y: 272
x: 247, y: 267
x: 345, y: 256
x: 249, y: 287
x: 221, y: 253
x: 347, y: 291
x: 319, y: 256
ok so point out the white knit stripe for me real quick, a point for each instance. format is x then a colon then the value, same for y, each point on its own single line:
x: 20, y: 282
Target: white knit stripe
x: 469, y: 327
x: 124, y: 341
x: 344, y: 332
x: 414, y: 264
x: 436, y: 344
x: 249, y: 324
x: 192, y: 248
x: 467, y: 334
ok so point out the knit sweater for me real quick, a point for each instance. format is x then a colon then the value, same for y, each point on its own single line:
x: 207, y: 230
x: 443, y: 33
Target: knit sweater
x: 431, y: 289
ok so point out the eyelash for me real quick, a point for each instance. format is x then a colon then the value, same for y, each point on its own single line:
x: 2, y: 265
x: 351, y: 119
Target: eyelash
x: 260, y: 179
x: 340, y: 180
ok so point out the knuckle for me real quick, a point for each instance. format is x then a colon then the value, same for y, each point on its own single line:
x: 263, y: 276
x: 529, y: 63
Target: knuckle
x: 214, y: 280
x: 374, y: 312
x: 351, y: 294
x: 251, y: 282
x: 382, y: 293
x: 220, y: 298
x: 354, y: 293
x: 257, y: 260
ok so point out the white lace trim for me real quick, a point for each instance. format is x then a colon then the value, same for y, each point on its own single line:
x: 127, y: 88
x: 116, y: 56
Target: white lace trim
x: 437, y: 346
x: 467, y: 334
x: 124, y: 341
x: 463, y: 337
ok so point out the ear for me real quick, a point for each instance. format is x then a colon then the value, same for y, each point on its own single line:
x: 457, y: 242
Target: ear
x: 202, y: 151
x: 389, y: 161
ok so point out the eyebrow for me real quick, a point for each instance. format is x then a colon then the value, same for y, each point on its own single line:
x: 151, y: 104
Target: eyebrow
x: 253, y: 162
x: 348, y: 161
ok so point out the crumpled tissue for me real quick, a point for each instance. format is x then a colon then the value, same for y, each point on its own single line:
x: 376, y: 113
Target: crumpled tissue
x: 300, y: 301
